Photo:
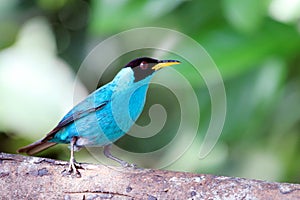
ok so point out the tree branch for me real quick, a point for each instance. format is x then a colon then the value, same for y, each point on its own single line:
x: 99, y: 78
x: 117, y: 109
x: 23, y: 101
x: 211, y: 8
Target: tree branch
x: 24, y: 177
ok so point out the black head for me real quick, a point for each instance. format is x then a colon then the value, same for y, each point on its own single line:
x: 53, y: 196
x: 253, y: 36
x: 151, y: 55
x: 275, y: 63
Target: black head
x: 145, y: 66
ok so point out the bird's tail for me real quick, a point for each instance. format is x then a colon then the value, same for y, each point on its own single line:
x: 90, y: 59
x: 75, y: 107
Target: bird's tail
x: 36, y: 147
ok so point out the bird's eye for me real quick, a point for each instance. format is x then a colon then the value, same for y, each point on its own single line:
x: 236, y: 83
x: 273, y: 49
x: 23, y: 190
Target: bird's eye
x: 144, y: 65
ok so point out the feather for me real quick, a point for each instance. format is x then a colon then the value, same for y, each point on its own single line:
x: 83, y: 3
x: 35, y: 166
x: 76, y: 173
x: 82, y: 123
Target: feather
x: 44, y: 143
x: 71, y: 118
x: 36, y: 147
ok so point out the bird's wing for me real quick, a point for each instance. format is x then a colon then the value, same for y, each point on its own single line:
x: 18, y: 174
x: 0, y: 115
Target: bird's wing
x: 70, y: 118
x: 76, y: 113
x: 95, y: 101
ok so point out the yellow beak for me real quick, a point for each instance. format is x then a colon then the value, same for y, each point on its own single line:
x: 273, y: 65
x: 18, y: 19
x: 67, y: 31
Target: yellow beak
x: 165, y: 63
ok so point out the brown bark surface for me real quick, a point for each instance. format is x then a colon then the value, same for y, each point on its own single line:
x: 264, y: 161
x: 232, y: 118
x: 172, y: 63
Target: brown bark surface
x: 24, y: 177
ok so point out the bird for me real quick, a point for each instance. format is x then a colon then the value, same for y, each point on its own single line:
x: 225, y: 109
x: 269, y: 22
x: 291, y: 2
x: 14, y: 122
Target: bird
x: 105, y: 115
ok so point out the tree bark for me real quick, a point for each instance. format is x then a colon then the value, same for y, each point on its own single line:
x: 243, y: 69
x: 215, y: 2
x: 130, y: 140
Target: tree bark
x: 24, y: 177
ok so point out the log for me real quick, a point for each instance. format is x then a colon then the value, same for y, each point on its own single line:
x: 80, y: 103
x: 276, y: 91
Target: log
x: 23, y: 177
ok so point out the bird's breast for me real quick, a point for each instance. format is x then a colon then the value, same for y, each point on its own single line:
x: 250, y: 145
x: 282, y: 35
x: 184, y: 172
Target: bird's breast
x: 127, y: 106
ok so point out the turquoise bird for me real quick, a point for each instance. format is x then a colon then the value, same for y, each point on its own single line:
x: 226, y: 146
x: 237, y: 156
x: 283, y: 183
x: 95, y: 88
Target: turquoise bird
x: 105, y: 115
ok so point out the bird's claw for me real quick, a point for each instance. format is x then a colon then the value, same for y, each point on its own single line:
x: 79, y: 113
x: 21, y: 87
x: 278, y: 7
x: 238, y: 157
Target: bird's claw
x: 128, y: 165
x: 72, y: 170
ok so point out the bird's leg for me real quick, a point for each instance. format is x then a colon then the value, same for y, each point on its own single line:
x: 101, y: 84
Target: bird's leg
x: 107, y: 153
x: 72, y: 165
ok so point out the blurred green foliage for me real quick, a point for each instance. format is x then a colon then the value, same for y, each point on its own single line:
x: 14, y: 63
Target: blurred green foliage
x: 256, y: 52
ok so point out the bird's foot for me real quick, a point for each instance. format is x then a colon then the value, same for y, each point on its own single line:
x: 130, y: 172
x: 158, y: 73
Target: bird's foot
x: 72, y: 170
x: 128, y: 165
x: 122, y: 162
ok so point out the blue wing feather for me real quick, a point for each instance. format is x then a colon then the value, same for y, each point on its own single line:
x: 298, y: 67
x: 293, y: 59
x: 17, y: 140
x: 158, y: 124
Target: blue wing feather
x: 95, y: 101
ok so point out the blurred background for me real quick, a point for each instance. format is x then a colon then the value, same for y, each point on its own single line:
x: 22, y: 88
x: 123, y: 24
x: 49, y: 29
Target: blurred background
x: 254, y: 43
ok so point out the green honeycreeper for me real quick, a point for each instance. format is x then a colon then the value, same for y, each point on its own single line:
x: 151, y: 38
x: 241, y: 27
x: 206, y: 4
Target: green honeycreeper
x: 105, y: 115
